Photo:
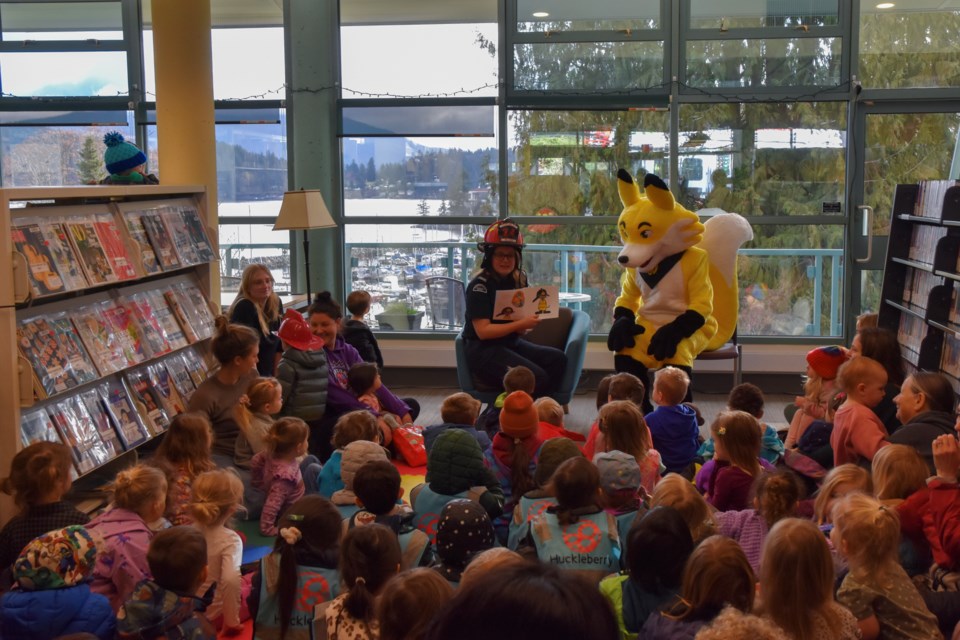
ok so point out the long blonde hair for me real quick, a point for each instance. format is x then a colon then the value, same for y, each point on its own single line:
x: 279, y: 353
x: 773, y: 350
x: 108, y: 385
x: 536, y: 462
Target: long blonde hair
x: 270, y: 311
x: 678, y: 492
x: 215, y: 495
x: 259, y: 392
x: 850, y: 474
x: 796, y: 577
x: 869, y: 535
x: 898, y: 472
x: 624, y: 429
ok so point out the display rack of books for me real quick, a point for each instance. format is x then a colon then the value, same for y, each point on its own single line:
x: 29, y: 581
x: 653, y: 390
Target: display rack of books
x: 106, y: 302
x: 922, y: 276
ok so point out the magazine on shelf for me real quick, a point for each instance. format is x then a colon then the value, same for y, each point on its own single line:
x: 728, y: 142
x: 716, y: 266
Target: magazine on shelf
x: 517, y: 304
x: 41, y: 267
x: 137, y: 233
x: 160, y: 240
x: 127, y: 331
x: 79, y: 433
x: 180, y: 313
x: 197, y: 307
x: 146, y: 397
x: 197, y: 231
x: 98, y: 335
x: 36, y: 426
x: 61, y: 250
x: 195, y: 364
x: 180, y: 375
x: 166, y: 319
x: 183, y: 242
x: 114, y: 246
x: 97, y: 409
x: 142, y: 312
x: 51, y: 365
x: 83, y: 236
x: 81, y: 365
x: 163, y: 383
x: 130, y: 426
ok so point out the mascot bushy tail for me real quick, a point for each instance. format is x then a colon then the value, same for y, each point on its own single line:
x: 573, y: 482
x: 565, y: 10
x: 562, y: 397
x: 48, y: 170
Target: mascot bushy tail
x: 679, y: 294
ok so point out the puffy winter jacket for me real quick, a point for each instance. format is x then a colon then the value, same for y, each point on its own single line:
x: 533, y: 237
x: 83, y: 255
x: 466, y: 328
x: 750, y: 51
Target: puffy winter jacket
x: 455, y: 464
x: 922, y: 430
x: 303, y: 378
x: 51, y: 613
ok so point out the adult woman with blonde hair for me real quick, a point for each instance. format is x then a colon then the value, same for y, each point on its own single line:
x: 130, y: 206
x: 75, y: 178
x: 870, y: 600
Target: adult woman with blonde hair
x: 259, y: 308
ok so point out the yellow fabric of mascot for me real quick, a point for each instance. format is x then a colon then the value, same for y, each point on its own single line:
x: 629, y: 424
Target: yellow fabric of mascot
x: 679, y: 292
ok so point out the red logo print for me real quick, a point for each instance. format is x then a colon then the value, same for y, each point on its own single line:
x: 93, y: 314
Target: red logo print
x: 585, y: 539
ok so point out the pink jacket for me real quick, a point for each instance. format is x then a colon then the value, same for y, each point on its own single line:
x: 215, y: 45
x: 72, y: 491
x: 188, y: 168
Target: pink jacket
x: 122, y: 556
x: 281, y: 481
x: 857, y: 433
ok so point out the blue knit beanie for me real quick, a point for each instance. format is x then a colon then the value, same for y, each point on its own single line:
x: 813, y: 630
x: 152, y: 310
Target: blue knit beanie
x: 121, y: 155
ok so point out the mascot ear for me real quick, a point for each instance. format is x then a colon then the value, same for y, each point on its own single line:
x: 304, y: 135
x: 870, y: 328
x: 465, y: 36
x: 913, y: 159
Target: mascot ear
x: 629, y: 191
x: 658, y: 192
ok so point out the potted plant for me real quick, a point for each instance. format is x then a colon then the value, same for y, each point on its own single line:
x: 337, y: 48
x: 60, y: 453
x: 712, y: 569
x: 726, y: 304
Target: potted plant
x: 400, y: 316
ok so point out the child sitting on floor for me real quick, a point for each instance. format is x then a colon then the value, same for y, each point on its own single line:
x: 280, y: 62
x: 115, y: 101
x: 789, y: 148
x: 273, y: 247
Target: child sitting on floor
x: 857, y: 431
x: 748, y: 397
x: 363, y: 378
x: 458, y: 411
x: 517, y: 378
x: 350, y: 427
x: 673, y: 425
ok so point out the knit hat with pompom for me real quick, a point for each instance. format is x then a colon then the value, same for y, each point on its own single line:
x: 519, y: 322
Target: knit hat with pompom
x: 120, y: 154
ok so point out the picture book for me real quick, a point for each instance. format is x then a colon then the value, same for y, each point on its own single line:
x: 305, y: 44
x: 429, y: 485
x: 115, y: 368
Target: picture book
x: 153, y: 333
x: 114, y: 246
x: 180, y: 313
x: 102, y: 342
x: 197, y: 308
x: 166, y: 389
x: 41, y: 268
x: 148, y: 401
x: 160, y: 240
x: 77, y: 431
x: 136, y: 231
x: 39, y: 345
x: 127, y: 332
x: 97, y: 409
x: 196, y: 366
x: 166, y: 319
x: 182, y: 241
x: 177, y: 368
x: 130, y: 428
x: 198, y: 233
x: 83, y: 236
x: 82, y: 367
x: 517, y: 304
x: 64, y: 258
x: 36, y: 426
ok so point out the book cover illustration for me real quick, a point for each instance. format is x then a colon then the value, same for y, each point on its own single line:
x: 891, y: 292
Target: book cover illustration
x: 41, y: 268
x: 154, y: 336
x: 177, y: 368
x: 82, y: 367
x: 180, y: 313
x: 142, y: 393
x: 66, y: 261
x: 36, y: 426
x: 129, y: 425
x: 113, y: 245
x: 166, y: 389
x: 197, y: 308
x: 97, y: 410
x: 136, y: 231
x: 78, y: 432
x: 160, y: 240
x: 93, y: 258
x: 51, y: 366
x: 127, y: 332
x: 198, y: 233
x: 517, y: 304
x: 102, y: 342
x: 166, y: 319
x: 195, y: 365
x: 182, y: 241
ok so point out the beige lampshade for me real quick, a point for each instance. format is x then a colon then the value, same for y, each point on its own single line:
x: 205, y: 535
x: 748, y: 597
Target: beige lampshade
x: 304, y: 209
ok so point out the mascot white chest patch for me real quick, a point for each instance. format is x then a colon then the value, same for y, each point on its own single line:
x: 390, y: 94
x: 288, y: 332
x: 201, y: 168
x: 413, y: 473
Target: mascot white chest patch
x: 667, y: 300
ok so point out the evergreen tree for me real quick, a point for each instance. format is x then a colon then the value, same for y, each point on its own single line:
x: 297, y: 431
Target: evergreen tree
x: 90, y: 167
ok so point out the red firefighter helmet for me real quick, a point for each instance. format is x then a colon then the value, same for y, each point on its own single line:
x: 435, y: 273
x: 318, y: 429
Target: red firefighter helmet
x: 502, y: 233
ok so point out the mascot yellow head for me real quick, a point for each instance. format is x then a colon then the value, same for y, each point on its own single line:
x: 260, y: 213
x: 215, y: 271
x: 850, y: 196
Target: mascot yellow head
x: 652, y: 226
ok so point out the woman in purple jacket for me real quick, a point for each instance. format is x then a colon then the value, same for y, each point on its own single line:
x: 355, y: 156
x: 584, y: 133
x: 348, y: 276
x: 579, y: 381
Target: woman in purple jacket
x: 326, y: 317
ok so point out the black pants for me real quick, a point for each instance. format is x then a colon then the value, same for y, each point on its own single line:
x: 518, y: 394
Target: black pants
x: 321, y: 431
x: 489, y: 363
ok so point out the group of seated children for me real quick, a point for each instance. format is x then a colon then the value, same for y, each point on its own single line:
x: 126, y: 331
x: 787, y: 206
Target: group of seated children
x: 643, y: 529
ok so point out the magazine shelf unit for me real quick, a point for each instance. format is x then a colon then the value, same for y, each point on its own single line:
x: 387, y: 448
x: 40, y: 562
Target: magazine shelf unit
x: 921, y: 277
x: 105, y: 310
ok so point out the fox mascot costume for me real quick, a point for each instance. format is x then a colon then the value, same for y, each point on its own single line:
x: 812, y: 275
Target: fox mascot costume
x: 679, y: 292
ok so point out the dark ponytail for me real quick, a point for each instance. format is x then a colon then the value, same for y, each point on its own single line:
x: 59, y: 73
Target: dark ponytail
x: 369, y: 556
x: 521, y: 480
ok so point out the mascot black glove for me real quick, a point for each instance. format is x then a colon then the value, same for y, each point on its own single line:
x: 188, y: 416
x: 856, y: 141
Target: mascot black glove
x: 624, y: 328
x: 663, y: 344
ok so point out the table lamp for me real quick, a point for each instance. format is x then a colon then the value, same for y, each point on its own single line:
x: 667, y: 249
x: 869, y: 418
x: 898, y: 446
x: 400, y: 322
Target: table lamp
x: 304, y: 209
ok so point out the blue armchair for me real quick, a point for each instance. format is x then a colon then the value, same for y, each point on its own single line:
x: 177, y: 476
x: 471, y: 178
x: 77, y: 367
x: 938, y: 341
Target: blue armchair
x: 568, y: 332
